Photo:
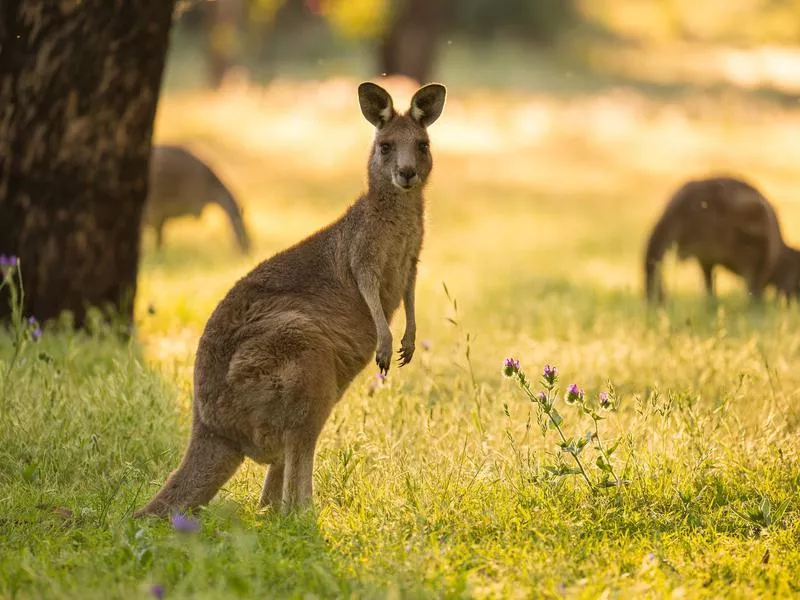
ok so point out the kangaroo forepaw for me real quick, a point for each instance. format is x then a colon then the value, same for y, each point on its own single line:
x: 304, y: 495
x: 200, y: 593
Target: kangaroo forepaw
x: 383, y: 357
x: 406, y: 352
x: 383, y: 361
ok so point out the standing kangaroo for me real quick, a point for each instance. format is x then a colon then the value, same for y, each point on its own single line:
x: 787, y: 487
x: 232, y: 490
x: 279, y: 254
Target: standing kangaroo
x: 180, y: 185
x: 284, y: 344
x: 723, y: 221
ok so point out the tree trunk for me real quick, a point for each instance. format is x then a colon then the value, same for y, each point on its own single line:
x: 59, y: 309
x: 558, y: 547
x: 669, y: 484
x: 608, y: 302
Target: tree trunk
x: 79, y: 84
x: 410, y: 45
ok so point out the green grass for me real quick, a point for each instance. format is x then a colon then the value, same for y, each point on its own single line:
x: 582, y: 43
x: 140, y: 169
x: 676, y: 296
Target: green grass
x: 433, y: 485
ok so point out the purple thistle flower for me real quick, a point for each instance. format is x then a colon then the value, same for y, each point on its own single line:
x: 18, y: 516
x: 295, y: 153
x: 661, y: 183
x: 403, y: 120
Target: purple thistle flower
x: 605, y: 401
x: 542, y: 396
x: 574, y: 394
x: 157, y: 591
x: 7, y: 264
x: 510, y: 367
x: 550, y: 374
x: 184, y: 524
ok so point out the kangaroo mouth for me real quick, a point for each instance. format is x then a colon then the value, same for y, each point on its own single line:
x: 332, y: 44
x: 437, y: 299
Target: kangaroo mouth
x: 406, y: 185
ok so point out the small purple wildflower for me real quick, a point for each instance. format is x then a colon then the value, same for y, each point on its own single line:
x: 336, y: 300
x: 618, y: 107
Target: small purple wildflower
x: 574, y: 394
x: 426, y: 345
x: 605, y: 401
x: 550, y: 374
x: 380, y: 379
x: 510, y: 367
x: 542, y: 396
x: 157, y: 591
x: 7, y: 264
x: 36, y: 330
x: 184, y: 524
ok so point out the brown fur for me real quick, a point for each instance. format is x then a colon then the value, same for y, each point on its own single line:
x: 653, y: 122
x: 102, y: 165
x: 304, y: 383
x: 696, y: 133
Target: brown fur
x: 284, y: 344
x: 723, y: 221
x: 183, y: 185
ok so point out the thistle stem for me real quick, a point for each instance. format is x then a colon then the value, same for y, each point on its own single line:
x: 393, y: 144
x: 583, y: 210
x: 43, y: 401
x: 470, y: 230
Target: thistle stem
x: 603, y: 451
x: 575, y: 456
x: 547, y: 409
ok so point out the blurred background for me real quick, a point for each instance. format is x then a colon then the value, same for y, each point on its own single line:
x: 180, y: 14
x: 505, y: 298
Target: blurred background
x: 568, y: 125
x: 528, y: 44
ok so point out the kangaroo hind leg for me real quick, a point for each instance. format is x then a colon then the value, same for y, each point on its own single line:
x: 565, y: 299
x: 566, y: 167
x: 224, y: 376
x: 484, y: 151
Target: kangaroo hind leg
x: 299, y: 470
x: 708, y: 278
x: 273, y: 487
x: 282, y: 387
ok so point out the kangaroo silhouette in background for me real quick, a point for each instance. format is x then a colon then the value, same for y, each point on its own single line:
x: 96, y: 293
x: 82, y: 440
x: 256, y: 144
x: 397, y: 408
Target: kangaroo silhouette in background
x: 182, y: 185
x: 723, y: 221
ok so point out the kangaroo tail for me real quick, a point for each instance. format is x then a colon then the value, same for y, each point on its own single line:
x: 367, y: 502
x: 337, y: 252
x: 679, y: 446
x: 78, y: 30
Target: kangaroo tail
x: 226, y: 200
x: 234, y: 212
x: 208, y: 463
x: 228, y: 203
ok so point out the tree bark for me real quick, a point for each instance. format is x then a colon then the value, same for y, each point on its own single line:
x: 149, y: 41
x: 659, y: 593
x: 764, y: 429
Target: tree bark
x: 79, y: 85
x: 410, y: 45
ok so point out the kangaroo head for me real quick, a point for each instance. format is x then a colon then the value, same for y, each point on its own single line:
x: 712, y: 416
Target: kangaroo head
x: 401, y: 154
x: 786, y: 276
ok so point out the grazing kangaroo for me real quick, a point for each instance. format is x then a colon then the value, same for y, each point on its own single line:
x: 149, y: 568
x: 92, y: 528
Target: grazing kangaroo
x: 181, y: 185
x: 284, y: 344
x: 723, y: 221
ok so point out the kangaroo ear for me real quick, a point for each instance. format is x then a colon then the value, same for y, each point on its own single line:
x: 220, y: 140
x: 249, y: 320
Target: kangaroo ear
x: 376, y: 104
x: 428, y: 103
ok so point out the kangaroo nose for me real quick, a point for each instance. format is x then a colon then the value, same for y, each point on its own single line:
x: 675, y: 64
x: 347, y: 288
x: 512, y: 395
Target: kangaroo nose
x: 407, y: 173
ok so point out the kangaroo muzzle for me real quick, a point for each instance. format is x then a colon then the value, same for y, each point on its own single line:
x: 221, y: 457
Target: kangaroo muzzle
x: 406, y: 178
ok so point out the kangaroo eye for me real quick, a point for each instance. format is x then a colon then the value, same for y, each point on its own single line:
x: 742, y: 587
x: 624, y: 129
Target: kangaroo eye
x: 423, y: 146
x: 386, y: 148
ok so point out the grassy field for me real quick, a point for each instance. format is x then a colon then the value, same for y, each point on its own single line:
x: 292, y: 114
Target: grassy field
x: 439, y: 482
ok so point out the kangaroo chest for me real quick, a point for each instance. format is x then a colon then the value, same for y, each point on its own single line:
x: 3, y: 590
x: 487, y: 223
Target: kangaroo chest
x: 396, y: 271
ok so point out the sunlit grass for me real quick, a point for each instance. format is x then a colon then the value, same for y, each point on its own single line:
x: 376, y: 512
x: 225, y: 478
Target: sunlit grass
x: 537, y: 231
